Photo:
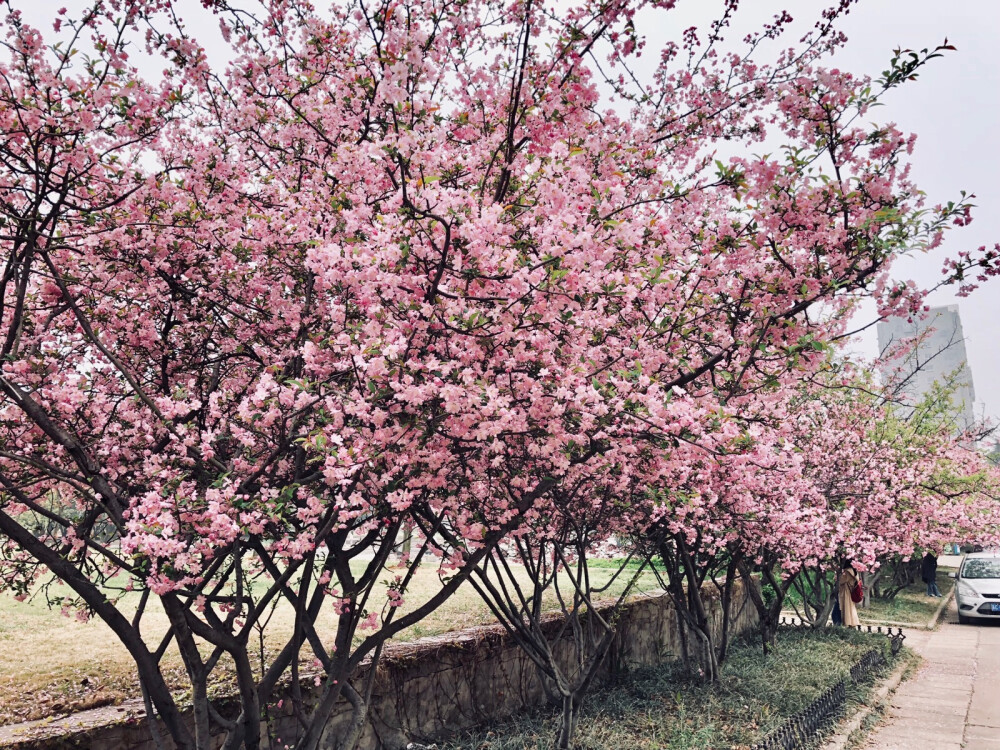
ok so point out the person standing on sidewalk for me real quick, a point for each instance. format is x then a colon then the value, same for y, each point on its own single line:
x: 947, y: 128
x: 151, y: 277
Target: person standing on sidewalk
x: 847, y: 579
x: 928, y: 572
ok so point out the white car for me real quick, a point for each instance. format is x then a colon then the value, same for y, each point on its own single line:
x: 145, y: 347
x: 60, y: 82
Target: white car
x: 977, y: 587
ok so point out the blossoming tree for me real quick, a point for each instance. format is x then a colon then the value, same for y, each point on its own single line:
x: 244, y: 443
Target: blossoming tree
x: 392, y: 266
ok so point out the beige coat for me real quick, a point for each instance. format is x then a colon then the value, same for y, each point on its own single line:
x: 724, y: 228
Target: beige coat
x: 845, y: 584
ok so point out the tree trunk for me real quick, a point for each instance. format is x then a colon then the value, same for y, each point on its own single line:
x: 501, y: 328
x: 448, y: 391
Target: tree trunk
x: 147, y: 665
x: 567, y: 723
x: 359, y: 711
x: 726, y: 602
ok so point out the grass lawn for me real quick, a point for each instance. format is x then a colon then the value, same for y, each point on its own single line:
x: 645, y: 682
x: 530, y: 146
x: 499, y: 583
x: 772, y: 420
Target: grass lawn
x: 658, y: 709
x: 51, y: 664
x: 911, y: 605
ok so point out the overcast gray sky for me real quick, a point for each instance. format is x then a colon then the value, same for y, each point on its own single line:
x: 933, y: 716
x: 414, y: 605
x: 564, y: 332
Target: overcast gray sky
x: 954, y: 108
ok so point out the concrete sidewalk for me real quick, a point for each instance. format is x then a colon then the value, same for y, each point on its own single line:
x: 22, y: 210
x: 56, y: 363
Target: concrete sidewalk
x: 953, y: 702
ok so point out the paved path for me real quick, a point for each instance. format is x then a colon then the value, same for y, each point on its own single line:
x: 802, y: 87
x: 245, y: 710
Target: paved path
x: 953, y: 702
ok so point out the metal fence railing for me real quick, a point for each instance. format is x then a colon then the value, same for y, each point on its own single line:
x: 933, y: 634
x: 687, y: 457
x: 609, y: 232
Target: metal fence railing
x: 896, y: 637
x: 804, y: 728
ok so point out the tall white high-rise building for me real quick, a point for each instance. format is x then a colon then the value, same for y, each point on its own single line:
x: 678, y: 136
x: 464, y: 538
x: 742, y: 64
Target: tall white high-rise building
x: 939, y: 357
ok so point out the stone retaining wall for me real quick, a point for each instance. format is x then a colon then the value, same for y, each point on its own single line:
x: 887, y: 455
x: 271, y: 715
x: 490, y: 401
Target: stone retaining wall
x: 424, y: 689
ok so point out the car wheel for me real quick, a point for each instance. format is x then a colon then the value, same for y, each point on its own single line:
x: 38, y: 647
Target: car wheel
x: 963, y: 620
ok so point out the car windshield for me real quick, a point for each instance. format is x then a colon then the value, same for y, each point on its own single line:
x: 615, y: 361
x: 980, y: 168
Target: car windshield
x: 981, y: 569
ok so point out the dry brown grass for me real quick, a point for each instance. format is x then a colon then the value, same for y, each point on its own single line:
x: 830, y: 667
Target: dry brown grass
x: 51, y: 664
